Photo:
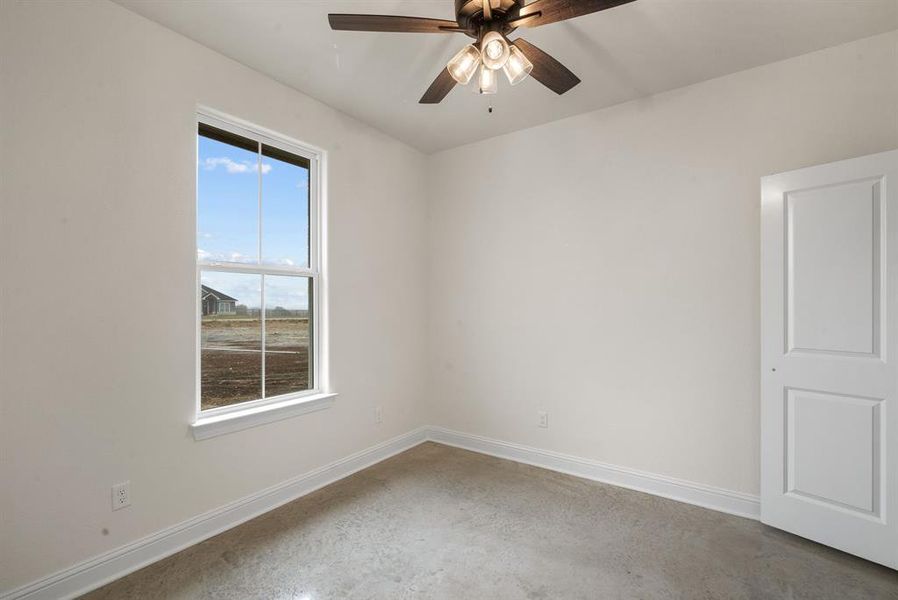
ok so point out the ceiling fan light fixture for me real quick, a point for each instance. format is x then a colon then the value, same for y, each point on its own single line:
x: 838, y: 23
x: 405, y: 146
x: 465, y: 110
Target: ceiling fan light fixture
x: 494, y: 50
x: 488, y: 22
x: 517, y: 67
x: 489, y: 81
x: 464, y: 64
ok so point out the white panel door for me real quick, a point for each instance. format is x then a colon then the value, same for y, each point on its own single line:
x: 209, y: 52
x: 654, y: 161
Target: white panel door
x: 829, y: 354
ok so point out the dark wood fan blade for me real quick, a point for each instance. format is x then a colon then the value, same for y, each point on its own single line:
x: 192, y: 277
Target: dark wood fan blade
x: 392, y: 23
x: 546, y: 69
x: 441, y: 86
x: 543, y: 12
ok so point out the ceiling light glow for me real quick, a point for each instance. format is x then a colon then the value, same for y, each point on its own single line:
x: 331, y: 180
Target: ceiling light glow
x: 517, y: 67
x: 495, y: 50
x: 488, y: 81
x: 463, y: 65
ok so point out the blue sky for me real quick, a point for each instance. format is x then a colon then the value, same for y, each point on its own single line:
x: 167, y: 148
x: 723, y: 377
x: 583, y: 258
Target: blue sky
x: 228, y: 222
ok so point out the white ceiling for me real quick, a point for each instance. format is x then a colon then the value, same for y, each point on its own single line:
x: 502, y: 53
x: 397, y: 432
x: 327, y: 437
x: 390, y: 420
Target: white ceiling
x: 621, y: 54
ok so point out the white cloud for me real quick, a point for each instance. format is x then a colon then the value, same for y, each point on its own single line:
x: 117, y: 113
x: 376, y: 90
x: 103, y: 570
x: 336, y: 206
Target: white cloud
x: 232, y: 167
x: 234, y: 257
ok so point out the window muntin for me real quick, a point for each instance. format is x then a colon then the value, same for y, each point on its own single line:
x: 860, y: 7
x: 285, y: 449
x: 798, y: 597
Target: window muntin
x: 257, y: 267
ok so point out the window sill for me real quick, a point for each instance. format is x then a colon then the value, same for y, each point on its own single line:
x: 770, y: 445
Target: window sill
x: 208, y: 427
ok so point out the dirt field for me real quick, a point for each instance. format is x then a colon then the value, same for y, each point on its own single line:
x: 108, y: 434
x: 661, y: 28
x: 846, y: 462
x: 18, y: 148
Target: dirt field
x: 231, y: 359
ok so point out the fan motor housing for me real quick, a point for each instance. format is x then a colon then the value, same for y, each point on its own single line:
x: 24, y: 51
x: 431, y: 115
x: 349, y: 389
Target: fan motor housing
x: 469, y: 13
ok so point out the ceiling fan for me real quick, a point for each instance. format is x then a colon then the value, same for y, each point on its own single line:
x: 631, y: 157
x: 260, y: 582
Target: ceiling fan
x: 489, y: 22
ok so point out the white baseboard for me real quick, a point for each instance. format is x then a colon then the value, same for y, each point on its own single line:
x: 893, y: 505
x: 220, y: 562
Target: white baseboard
x: 734, y: 503
x: 107, y: 567
x: 117, y: 563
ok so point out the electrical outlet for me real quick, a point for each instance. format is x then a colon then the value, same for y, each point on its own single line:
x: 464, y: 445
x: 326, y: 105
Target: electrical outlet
x: 379, y: 414
x: 121, y: 495
x: 543, y: 419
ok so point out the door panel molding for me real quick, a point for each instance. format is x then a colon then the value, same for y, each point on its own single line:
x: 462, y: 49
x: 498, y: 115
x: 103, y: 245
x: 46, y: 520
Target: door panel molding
x: 866, y: 495
x: 861, y: 196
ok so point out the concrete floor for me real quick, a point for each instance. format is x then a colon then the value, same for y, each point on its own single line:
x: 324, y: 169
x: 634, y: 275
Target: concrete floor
x: 438, y: 522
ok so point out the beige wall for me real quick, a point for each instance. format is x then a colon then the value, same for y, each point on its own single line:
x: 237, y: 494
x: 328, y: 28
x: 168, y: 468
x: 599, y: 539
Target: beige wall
x: 605, y: 269
x: 97, y: 321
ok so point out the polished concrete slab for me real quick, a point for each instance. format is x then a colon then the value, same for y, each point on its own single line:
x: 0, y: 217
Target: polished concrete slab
x: 438, y: 522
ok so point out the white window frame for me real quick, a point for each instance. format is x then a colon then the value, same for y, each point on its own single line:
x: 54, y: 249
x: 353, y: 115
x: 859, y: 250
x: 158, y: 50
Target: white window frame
x: 215, y: 421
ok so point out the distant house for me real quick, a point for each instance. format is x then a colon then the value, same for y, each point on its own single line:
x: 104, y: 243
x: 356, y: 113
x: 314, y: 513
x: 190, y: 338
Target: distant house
x: 217, y: 303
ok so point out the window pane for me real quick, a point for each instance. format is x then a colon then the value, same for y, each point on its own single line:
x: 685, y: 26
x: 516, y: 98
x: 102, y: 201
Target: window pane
x: 285, y: 209
x: 227, y: 197
x: 231, y: 338
x: 287, y: 335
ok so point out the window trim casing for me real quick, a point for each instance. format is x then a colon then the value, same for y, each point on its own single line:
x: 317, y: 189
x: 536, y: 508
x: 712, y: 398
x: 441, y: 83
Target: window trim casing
x: 254, y: 412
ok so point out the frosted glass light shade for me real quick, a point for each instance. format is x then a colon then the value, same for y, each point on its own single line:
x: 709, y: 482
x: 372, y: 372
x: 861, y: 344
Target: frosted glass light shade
x: 463, y: 65
x: 488, y: 81
x: 517, y: 67
x: 494, y: 50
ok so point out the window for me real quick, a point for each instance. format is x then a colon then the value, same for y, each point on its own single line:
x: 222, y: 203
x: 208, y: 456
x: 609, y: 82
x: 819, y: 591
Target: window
x: 258, y: 270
